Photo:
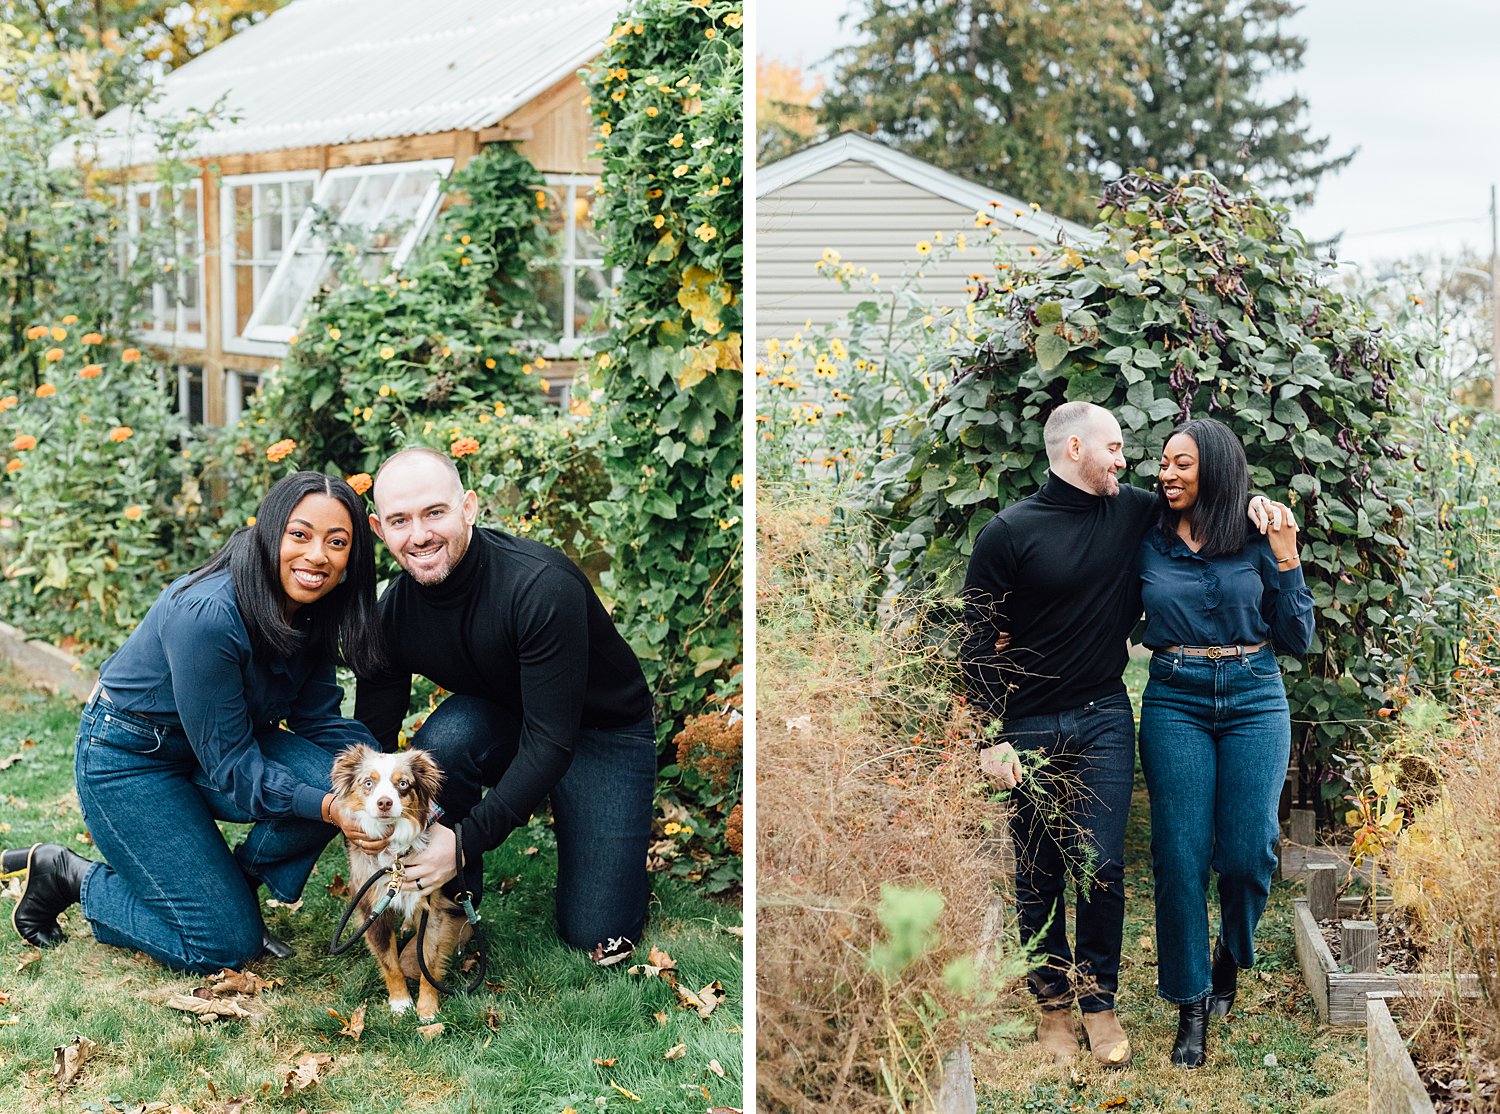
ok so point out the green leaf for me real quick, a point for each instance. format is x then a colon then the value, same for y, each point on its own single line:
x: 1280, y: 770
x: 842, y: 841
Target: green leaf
x: 1050, y: 351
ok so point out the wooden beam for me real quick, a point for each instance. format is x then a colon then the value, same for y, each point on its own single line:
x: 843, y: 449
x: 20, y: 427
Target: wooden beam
x: 504, y: 133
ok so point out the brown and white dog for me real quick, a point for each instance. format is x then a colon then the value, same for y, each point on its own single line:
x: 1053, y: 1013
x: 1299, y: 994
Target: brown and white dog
x: 392, y: 796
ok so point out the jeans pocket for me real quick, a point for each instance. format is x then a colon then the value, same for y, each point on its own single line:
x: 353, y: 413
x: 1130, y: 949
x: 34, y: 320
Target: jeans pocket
x: 124, y: 731
x: 1163, y: 667
x: 1263, y: 665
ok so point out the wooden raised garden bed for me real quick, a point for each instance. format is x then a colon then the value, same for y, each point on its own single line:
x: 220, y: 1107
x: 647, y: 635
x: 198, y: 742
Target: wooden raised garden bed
x: 1395, y: 1086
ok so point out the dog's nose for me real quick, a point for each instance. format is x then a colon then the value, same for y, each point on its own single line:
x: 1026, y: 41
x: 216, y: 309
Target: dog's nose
x: 383, y: 804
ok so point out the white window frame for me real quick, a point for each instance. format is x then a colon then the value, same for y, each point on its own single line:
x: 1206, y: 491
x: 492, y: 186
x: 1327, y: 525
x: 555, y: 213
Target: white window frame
x: 568, y: 185
x: 179, y: 336
x: 256, y: 328
x: 228, y: 264
x: 234, y: 388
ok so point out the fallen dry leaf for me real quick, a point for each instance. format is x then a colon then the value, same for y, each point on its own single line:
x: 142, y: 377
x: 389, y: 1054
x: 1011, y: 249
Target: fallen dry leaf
x: 237, y: 1106
x: 353, y: 1025
x: 208, y: 1009
x: 291, y: 907
x: 338, y: 887
x: 659, y: 958
x: 493, y: 1017
x: 531, y: 851
x: 717, y: 1068
x: 228, y: 982
x: 28, y: 957
x: 430, y: 1031
x: 611, y: 1062
x: 800, y: 723
x: 213, y: 1092
x: 4, y: 997
x: 11, y: 760
x: 711, y: 997
x: 687, y: 1000
x: 68, y: 1060
x: 646, y: 969
x: 631, y: 1095
x: 676, y: 1052
x: 661, y: 1017
x: 303, y: 1072
x: 734, y: 930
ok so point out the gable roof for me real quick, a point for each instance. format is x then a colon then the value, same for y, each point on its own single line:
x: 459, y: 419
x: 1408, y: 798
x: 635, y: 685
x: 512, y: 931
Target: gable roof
x: 855, y: 147
x: 322, y: 72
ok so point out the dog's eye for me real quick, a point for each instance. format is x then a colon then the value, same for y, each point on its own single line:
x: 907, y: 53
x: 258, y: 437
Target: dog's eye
x: 369, y: 783
x: 403, y: 785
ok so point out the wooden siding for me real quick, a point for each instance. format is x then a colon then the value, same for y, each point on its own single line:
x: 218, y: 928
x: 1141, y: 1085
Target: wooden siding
x: 873, y: 220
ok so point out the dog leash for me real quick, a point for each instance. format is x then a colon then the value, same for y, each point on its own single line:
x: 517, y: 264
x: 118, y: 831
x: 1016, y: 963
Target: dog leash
x: 392, y: 887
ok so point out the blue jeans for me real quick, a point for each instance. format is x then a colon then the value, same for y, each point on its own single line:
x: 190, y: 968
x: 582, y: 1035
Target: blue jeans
x: 601, y: 810
x: 1215, y: 742
x: 1069, y: 817
x: 169, y: 885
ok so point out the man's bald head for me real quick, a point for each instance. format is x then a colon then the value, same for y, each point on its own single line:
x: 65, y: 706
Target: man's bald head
x: 1085, y: 447
x: 419, y: 459
x: 423, y: 514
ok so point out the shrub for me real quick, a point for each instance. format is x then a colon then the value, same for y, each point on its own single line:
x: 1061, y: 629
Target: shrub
x: 1187, y: 300
x: 705, y: 784
x: 95, y: 495
x: 666, y: 98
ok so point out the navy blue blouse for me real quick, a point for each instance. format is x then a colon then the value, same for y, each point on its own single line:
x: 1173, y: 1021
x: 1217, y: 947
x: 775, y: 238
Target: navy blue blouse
x: 189, y: 665
x: 1237, y: 599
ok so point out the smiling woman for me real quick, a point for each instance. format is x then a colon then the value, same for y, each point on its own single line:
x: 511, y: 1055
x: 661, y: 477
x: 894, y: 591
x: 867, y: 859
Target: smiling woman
x: 185, y: 726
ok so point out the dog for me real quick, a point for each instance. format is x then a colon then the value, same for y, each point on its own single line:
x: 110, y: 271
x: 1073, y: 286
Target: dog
x: 393, y: 797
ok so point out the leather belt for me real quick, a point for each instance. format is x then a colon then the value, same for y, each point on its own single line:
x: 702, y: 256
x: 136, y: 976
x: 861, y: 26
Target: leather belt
x: 1213, y: 653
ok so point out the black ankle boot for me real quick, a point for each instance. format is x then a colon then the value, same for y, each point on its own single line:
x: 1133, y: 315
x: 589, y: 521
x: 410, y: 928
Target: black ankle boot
x: 274, y: 946
x: 1189, y: 1049
x: 54, y: 875
x: 1225, y: 971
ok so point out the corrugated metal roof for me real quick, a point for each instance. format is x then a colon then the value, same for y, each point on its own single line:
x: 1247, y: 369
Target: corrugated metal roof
x: 340, y: 71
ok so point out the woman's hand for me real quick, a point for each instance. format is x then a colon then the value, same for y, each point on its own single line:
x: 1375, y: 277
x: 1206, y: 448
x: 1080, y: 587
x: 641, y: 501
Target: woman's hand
x: 1001, y: 765
x: 1283, y: 539
x: 1267, y: 514
x: 431, y: 867
x: 341, y: 818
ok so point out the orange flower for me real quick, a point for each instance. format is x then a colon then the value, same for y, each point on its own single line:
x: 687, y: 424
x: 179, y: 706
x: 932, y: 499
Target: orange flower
x: 92, y: 338
x: 52, y: 355
x: 23, y: 442
x: 7, y: 402
x: 46, y: 390
x: 360, y: 482
x: 121, y: 433
x: 281, y: 450
x: 134, y: 511
x: 15, y: 465
x: 91, y: 371
x: 59, y: 333
x: 71, y: 319
x: 36, y: 331
x: 464, y: 446
x: 130, y: 355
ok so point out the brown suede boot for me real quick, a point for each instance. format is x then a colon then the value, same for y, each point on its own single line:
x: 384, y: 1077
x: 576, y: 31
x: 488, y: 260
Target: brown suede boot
x: 1056, y: 1033
x: 1107, y: 1040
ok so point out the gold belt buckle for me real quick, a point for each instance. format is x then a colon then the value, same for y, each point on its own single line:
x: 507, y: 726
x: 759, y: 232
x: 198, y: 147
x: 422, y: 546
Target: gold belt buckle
x: 1215, y: 653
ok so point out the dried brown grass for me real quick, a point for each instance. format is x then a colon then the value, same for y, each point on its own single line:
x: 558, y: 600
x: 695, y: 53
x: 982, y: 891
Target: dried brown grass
x: 864, y: 780
x: 1447, y: 872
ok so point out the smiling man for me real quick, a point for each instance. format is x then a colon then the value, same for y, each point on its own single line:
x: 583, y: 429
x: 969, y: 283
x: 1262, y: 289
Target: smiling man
x: 546, y: 700
x: 1051, y: 597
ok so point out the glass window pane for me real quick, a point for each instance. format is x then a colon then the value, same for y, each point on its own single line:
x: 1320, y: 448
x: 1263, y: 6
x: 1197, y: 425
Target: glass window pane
x: 587, y: 244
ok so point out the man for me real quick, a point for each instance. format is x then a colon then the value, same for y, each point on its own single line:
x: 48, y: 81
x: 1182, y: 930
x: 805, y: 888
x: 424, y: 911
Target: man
x: 546, y: 700
x: 1050, y: 599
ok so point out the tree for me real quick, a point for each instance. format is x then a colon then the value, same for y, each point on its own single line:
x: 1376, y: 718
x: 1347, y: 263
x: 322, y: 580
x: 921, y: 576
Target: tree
x: 784, y: 117
x: 1199, y: 104
x: 1004, y: 91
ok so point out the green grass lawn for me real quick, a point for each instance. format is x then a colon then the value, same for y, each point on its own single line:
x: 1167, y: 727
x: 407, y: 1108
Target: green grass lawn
x: 527, y: 1043
x: 1270, y: 1055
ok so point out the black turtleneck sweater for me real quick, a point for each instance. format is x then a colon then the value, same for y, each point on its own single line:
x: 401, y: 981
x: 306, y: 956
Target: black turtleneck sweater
x: 1055, y: 571
x: 519, y: 624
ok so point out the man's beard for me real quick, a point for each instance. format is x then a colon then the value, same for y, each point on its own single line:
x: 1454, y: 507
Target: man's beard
x: 1101, y: 481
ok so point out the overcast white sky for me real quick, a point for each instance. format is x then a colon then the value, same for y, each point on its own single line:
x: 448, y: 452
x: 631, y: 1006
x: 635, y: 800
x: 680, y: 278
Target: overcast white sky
x: 1415, y: 86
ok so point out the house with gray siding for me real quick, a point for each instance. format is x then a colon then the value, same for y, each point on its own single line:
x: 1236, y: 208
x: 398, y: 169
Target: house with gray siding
x: 873, y: 205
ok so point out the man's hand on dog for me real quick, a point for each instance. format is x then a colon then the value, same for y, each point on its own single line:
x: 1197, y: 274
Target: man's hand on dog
x: 431, y: 867
x: 1001, y: 765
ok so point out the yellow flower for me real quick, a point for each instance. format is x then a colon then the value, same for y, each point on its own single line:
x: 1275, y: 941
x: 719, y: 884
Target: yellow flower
x: 334, y: 332
x: 659, y: 221
x: 464, y: 239
x: 733, y: 19
x: 923, y: 247
x: 385, y: 390
x: 652, y: 110
x: 678, y: 172
x: 541, y: 199
x: 490, y: 363
x: 121, y: 433
x: 710, y: 33
x: 737, y: 481
x: 386, y: 352
x: 705, y: 232
x: 464, y: 261
x: 672, y: 827
x: 500, y: 410
x: 605, y: 129
x: 676, y: 140
x: 59, y: 333
x: 134, y: 511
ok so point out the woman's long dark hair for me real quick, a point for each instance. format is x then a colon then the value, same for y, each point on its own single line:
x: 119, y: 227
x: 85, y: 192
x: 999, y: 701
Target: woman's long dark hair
x: 1219, y: 520
x: 343, y: 624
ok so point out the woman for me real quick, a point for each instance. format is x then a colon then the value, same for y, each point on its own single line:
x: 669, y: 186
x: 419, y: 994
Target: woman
x: 1221, y: 601
x: 184, y: 729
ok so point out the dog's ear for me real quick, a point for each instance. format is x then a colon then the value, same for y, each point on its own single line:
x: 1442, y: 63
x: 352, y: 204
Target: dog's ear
x: 426, y: 773
x: 346, y: 768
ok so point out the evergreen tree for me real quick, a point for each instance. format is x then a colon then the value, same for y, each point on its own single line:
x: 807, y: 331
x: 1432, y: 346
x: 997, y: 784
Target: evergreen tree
x: 1200, y: 106
x: 1004, y: 91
